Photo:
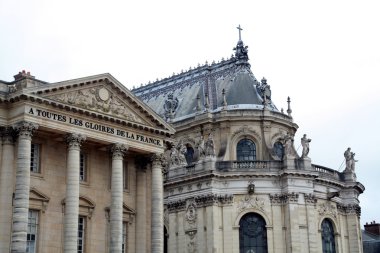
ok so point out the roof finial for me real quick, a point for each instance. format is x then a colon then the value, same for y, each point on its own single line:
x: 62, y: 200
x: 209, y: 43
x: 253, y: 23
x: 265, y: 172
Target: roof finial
x: 240, y: 29
x: 289, y: 111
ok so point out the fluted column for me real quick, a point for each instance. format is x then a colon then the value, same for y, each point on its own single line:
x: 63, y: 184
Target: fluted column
x: 157, y: 227
x: 6, y: 188
x: 21, y: 198
x: 116, y: 213
x: 72, y: 193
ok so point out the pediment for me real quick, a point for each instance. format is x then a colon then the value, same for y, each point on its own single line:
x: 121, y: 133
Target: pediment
x: 102, y: 95
x: 100, y: 98
x: 35, y: 194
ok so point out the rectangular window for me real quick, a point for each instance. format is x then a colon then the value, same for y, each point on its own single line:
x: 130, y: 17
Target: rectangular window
x: 31, y: 237
x: 125, y: 175
x: 82, y: 167
x: 125, y: 237
x: 35, y: 158
x: 81, y: 233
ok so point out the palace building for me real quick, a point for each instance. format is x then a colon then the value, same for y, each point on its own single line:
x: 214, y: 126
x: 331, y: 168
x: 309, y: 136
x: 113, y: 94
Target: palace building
x: 201, y: 162
x: 80, y: 167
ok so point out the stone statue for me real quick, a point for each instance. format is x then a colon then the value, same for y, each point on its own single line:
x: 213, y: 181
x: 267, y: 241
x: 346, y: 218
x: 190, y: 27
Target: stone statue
x: 209, y: 146
x: 350, y: 160
x: 200, y: 147
x: 305, y: 145
x: 177, y: 154
x: 288, y: 140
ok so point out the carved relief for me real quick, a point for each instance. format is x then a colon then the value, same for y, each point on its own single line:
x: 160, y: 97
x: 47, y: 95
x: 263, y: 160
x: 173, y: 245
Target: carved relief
x: 98, y: 99
x: 191, y: 212
x: 246, y: 130
x: 284, y: 198
x: 310, y: 198
x: 349, y: 209
x: 248, y: 202
x: 327, y: 209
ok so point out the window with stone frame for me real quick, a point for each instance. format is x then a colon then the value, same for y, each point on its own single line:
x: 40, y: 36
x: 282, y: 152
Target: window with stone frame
x: 246, y: 150
x: 253, y: 234
x: 189, y: 155
x: 125, y: 175
x: 278, y: 149
x: 125, y: 237
x: 35, y: 151
x: 81, y: 234
x: 328, y: 236
x: 32, y: 231
x: 83, y: 167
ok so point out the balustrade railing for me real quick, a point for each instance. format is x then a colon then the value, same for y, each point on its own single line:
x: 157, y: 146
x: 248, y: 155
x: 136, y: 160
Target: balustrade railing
x: 248, y: 165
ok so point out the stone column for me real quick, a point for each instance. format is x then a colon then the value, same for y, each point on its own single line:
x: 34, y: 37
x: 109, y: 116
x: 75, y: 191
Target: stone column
x: 116, y: 213
x: 70, y: 225
x: 21, y: 197
x: 157, y: 226
x: 141, y: 229
x: 6, y: 188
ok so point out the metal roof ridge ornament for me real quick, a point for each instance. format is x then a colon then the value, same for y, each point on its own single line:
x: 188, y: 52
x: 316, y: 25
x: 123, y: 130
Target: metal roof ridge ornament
x: 241, y: 51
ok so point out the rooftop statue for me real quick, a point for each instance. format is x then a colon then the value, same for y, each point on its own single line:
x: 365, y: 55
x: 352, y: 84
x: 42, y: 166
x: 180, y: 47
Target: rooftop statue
x: 305, y: 146
x: 350, y: 160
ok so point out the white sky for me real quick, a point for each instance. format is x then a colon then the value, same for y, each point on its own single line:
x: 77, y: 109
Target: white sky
x: 324, y: 54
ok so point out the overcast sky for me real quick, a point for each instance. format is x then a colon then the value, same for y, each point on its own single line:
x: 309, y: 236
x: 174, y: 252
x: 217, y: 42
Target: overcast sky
x: 324, y: 54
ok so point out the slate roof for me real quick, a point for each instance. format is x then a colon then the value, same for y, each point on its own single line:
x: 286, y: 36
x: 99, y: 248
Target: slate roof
x: 203, y: 87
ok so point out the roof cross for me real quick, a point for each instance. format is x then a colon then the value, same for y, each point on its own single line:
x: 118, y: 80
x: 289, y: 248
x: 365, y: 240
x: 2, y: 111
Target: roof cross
x: 240, y: 29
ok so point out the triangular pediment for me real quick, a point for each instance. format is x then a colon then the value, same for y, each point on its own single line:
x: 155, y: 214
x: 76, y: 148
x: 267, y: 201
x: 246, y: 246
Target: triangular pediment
x: 35, y: 194
x: 102, y: 95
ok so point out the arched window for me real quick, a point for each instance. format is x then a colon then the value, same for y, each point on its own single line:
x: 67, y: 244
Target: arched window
x: 278, y: 149
x: 166, y: 236
x: 246, y: 150
x: 253, y: 234
x: 189, y: 154
x: 328, y: 237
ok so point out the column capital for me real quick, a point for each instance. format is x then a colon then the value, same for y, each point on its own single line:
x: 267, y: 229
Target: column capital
x: 8, y: 134
x: 158, y: 160
x: 25, y: 129
x: 118, y: 150
x: 74, y: 140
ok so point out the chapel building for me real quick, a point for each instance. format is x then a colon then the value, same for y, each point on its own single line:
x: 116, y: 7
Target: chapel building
x: 234, y: 182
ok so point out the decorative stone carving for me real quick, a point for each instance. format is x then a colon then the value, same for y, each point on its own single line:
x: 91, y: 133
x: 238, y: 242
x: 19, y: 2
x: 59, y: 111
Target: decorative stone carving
x: 305, y: 146
x: 191, y: 212
x: 349, y: 209
x: 8, y: 135
x: 288, y: 145
x: 25, y: 129
x: 200, y: 147
x: 248, y: 202
x: 310, y: 198
x: 284, y: 198
x: 213, y: 199
x: 327, y: 209
x: 75, y: 140
x: 97, y: 99
x: 209, y: 148
x: 246, y: 130
x: 177, y: 155
x: 170, y: 105
x: 191, y: 245
x: 350, y: 160
x: 118, y: 150
x: 176, y: 206
x: 264, y: 90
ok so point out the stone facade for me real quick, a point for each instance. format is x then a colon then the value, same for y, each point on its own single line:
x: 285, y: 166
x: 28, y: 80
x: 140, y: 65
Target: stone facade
x: 79, y: 148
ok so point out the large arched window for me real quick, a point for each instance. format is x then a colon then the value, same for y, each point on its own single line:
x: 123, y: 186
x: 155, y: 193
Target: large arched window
x: 253, y: 234
x: 246, y: 150
x: 328, y: 237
